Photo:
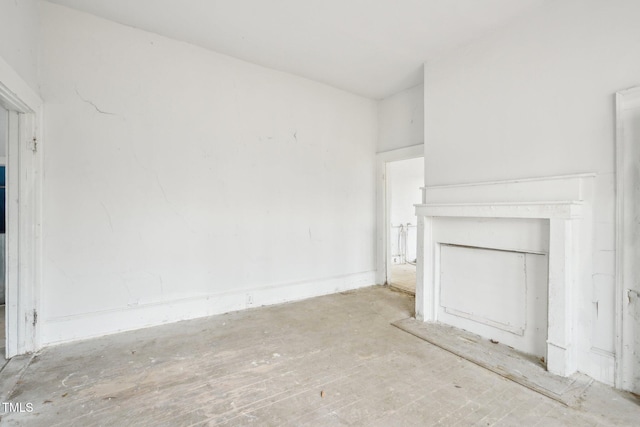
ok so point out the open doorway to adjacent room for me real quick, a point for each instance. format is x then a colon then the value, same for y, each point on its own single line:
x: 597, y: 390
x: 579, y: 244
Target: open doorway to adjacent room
x: 404, y: 179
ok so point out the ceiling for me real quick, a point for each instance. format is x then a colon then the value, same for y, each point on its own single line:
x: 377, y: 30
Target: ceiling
x: 373, y: 48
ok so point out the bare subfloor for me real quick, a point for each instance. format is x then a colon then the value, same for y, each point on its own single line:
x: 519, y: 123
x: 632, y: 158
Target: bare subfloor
x: 333, y: 360
x: 403, y: 277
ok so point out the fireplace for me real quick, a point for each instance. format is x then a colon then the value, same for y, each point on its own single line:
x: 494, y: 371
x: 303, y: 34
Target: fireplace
x: 516, y: 239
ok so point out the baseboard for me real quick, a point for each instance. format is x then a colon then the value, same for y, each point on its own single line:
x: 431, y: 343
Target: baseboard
x: 90, y: 325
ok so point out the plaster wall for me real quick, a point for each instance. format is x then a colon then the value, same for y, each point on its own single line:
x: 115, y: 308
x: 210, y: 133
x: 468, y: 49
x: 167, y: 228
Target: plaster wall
x: 401, y: 119
x: 535, y: 99
x: 182, y: 183
x: 19, y: 30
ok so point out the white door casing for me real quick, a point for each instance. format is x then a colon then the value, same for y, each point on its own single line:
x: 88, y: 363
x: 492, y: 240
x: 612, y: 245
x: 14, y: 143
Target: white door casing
x: 23, y: 208
x: 382, y: 207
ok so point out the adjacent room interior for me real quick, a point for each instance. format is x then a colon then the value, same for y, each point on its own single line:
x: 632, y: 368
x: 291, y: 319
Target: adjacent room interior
x: 405, y: 178
x: 319, y: 212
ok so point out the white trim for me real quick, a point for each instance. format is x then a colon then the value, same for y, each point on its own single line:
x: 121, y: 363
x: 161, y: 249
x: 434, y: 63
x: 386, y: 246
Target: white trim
x: 95, y: 324
x: 382, y: 208
x: 15, y: 93
x: 404, y: 153
x: 618, y: 305
x: 546, y: 210
x: 554, y: 188
x: 12, y: 289
x: 24, y: 250
x: 624, y: 346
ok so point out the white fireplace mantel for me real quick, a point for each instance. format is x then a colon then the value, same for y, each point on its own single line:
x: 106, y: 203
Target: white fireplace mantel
x: 543, y: 210
x: 562, y: 215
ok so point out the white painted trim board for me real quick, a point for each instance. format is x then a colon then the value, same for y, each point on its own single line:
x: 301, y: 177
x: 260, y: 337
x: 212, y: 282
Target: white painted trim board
x: 624, y: 346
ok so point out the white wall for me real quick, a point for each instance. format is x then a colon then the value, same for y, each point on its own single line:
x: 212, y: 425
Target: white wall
x: 19, y: 32
x: 535, y: 99
x: 401, y: 120
x: 181, y: 183
x: 405, y: 179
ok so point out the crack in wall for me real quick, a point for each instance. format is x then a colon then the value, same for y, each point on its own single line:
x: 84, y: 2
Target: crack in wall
x: 108, y: 215
x: 94, y: 105
x: 171, y: 205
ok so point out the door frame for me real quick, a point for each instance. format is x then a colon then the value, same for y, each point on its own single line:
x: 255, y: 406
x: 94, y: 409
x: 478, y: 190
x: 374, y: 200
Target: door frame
x: 624, y: 358
x: 383, y: 228
x: 24, y: 212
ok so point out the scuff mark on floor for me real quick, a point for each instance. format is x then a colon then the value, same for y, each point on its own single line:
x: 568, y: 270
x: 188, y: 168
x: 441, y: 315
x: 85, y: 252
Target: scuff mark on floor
x: 64, y: 381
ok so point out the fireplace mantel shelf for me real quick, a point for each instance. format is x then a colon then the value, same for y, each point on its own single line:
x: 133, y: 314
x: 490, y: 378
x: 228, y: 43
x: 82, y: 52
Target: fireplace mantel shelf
x: 544, y: 210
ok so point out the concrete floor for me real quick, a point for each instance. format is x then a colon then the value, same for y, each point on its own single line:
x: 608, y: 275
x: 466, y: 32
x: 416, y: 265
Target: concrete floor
x: 332, y: 360
x: 403, y: 277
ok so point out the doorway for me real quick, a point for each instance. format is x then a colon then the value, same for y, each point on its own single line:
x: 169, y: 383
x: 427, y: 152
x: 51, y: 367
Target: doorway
x: 404, y: 179
x: 383, y: 209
